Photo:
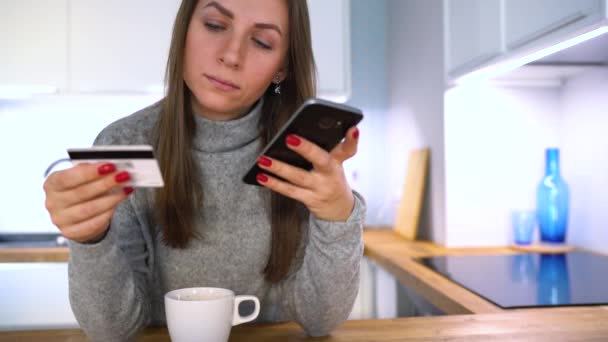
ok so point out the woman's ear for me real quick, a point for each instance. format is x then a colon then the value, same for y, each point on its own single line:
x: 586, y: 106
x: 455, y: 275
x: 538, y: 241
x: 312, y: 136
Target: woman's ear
x: 279, y: 77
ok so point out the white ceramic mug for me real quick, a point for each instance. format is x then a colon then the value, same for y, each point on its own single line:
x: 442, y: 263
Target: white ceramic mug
x: 205, y: 313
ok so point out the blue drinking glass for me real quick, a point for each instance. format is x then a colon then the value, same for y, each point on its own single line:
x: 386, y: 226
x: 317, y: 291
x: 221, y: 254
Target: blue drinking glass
x: 524, y: 222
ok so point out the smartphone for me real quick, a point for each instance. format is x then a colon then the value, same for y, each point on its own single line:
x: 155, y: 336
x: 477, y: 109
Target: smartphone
x: 322, y: 122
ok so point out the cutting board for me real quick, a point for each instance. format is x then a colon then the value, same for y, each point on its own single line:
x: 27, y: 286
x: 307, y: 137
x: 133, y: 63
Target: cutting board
x: 410, y: 205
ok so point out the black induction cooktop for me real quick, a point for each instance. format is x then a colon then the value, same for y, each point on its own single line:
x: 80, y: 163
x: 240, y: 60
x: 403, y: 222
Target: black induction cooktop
x: 529, y: 280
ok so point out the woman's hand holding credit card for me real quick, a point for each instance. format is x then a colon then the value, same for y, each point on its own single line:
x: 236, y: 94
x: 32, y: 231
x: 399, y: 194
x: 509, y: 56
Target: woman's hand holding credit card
x: 81, y: 200
x: 138, y: 160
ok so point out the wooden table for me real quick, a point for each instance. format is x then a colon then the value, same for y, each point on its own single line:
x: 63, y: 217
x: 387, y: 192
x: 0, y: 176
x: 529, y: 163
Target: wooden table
x: 563, y: 324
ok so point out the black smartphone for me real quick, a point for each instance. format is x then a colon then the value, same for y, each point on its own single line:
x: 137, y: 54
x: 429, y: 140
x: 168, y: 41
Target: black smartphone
x: 322, y: 122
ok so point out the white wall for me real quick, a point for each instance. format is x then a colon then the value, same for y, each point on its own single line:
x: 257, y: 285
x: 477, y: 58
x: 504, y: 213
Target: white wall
x: 415, y: 117
x: 585, y: 158
x: 495, y: 141
x: 34, y: 133
x: 370, y: 93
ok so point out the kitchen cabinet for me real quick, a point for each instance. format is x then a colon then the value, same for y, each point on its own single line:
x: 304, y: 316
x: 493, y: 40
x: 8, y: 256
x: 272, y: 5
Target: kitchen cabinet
x: 35, y: 296
x: 473, y: 33
x: 119, y: 46
x: 531, y: 22
x: 130, y: 53
x: 113, y: 46
x: 480, y: 33
x: 34, y: 43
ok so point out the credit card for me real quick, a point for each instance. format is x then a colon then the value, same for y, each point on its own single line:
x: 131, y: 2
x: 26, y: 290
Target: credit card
x: 138, y: 160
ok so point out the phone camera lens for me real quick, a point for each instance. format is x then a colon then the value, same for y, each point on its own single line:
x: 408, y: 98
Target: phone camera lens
x: 327, y: 122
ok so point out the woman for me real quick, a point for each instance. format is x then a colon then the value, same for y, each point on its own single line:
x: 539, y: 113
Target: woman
x: 237, y: 70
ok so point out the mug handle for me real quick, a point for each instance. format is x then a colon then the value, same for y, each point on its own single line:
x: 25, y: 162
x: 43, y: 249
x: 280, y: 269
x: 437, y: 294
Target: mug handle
x: 238, y: 319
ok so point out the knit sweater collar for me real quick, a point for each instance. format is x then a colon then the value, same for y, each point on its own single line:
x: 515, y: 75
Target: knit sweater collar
x: 222, y: 136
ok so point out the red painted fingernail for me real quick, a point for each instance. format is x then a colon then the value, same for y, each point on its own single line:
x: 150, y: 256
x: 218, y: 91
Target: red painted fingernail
x: 264, y: 161
x: 106, y: 168
x: 261, y: 178
x: 128, y: 190
x: 293, y: 140
x: 356, y: 133
x: 122, y: 177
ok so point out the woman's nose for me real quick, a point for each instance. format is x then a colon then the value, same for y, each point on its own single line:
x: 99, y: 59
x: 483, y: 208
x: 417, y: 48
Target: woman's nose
x: 231, y: 55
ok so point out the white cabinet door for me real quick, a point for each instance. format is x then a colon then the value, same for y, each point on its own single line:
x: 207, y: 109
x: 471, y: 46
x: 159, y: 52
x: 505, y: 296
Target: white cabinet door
x: 33, y: 43
x: 330, y: 30
x: 530, y: 21
x: 474, y: 34
x: 115, y: 46
x: 120, y: 46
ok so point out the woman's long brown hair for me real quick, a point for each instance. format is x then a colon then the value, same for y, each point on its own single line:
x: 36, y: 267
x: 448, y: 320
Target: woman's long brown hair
x: 178, y: 202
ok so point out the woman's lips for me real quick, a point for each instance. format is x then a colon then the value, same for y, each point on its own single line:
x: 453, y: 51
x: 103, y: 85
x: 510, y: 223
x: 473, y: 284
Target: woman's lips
x: 222, y: 84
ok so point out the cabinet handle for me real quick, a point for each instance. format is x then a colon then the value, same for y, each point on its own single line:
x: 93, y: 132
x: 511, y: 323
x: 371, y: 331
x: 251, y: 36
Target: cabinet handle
x: 571, y: 19
x: 474, y: 62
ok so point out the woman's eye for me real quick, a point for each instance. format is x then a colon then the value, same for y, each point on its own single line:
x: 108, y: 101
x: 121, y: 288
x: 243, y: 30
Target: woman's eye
x: 262, y: 44
x: 214, y: 27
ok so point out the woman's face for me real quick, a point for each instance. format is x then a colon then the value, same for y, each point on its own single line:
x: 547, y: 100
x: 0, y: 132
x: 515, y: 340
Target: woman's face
x: 234, y: 50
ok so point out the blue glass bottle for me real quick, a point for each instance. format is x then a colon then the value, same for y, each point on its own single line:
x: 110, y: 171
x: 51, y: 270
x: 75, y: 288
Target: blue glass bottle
x: 552, y: 201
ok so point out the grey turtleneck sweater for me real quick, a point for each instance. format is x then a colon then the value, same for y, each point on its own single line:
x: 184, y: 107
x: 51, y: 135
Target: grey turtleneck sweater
x: 117, y: 284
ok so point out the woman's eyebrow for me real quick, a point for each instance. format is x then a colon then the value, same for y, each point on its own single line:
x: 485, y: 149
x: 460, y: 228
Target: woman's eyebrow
x: 270, y: 27
x: 220, y: 8
x: 223, y: 10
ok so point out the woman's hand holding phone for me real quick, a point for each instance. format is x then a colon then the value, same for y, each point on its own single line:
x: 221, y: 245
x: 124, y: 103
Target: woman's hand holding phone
x: 324, y: 189
x: 81, y: 200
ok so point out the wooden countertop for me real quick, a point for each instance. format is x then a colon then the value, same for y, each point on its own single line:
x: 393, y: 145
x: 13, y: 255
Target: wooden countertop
x: 396, y: 255
x: 378, y: 243
x: 385, y: 248
x: 383, y: 239
x: 36, y: 254
x: 563, y: 324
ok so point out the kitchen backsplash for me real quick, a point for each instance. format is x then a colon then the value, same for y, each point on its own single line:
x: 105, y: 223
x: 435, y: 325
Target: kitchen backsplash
x: 585, y: 162
x: 495, y: 141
